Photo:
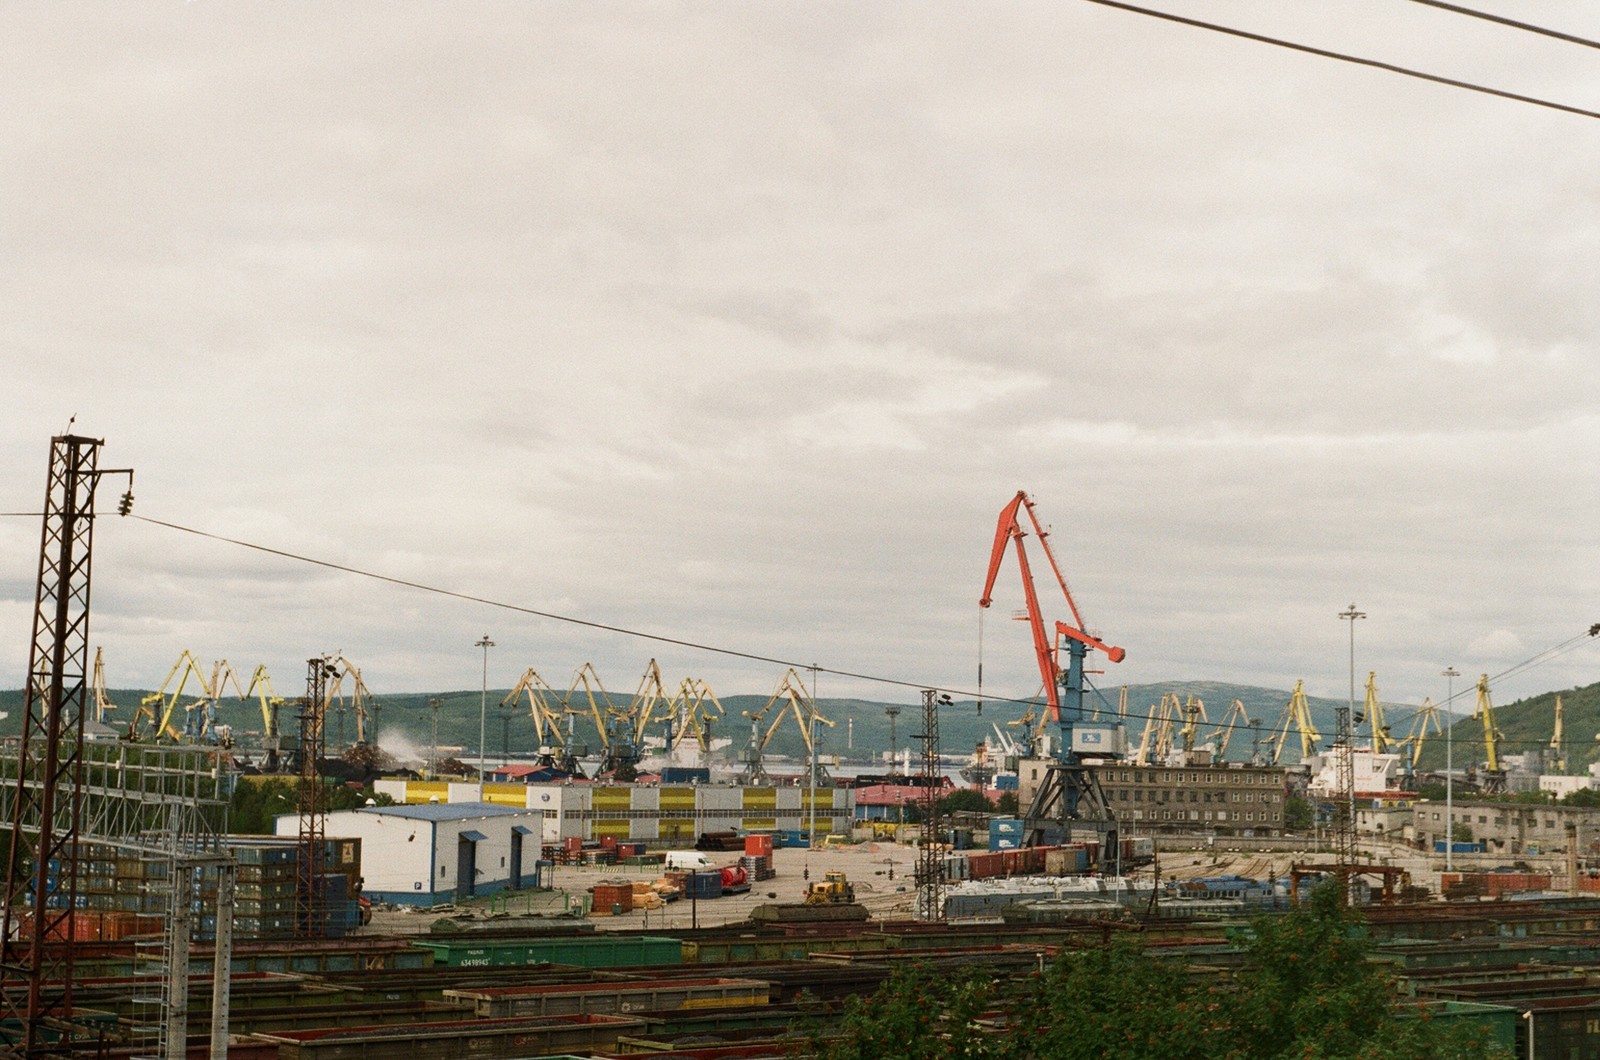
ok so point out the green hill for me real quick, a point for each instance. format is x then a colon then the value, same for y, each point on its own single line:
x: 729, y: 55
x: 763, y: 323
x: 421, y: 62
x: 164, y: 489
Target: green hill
x: 407, y: 719
x: 1525, y: 725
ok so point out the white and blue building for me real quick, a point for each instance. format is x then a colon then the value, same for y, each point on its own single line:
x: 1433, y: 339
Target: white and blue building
x: 438, y: 852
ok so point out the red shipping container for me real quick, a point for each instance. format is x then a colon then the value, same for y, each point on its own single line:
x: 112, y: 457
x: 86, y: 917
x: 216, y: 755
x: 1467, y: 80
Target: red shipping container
x: 573, y: 844
x: 758, y: 845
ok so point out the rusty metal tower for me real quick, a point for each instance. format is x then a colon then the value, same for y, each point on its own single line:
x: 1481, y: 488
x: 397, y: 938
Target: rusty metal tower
x: 930, y: 854
x: 47, y: 782
x: 309, y: 907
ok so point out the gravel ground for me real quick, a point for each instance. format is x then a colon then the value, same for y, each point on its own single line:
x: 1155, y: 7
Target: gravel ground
x: 868, y: 867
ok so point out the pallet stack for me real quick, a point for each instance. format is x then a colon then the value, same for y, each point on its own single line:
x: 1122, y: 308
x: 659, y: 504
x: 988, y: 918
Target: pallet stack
x: 757, y: 860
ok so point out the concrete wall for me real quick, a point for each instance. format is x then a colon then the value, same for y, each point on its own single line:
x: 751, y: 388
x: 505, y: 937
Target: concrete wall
x: 667, y: 814
x: 1510, y: 828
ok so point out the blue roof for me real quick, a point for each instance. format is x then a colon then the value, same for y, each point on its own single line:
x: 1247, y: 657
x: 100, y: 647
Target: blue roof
x: 443, y: 811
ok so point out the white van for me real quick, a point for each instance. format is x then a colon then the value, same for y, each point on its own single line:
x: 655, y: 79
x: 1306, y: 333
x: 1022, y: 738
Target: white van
x: 688, y: 860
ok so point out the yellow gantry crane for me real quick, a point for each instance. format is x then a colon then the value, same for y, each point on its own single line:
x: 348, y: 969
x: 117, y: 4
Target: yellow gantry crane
x: 693, y: 710
x: 1410, y: 748
x: 1194, y: 712
x: 791, y: 700
x: 1223, y: 736
x: 1297, y: 716
x: 611, y: 723
x: 102, y: 698
x: 154, y: 718
x: 361, y: 701
x: 1170, y: 711
x: 545, y: 709
x: 1032, y: 724
x: 1382, y: 742
x: 271, y: 707
x: 201, y: 722
x: 1558, y: 751
x: 1156, y: 734
x: 1493, y: 781
x: 649, y: 703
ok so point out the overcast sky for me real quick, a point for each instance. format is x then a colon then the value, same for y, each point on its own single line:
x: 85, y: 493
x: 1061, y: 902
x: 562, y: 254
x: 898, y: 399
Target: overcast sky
x: 740, y: 323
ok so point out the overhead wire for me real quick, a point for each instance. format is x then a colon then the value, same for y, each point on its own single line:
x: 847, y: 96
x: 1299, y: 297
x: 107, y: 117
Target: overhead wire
x: 1325, y: 53
x: 1511, y: 22
x: 551, y: 615
x: 682, y: 642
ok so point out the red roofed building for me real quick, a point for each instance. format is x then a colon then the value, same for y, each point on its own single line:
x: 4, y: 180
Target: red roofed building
x: 883, y: 802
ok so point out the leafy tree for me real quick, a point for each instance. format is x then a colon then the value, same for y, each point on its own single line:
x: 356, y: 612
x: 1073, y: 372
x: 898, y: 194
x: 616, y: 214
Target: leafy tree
x: 1583, y: 797
x: 1007, y: 804
x: 1296, y: 814
x: 1119, y: 1001
x: 965, y: 800
x: 1311, y: 992
x: 256, y: 804
x: 917, y: 1015
x: 1306, y: 992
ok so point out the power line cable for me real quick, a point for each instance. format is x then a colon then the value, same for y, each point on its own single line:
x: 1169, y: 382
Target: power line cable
x: 1375, y: 64
x: 569, y: 619
x: 1513, y: 23
x: 1542, y: 656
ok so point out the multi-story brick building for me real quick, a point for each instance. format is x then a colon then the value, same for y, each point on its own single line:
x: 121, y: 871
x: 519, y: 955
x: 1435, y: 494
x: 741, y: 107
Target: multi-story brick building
x: 1228, y: 799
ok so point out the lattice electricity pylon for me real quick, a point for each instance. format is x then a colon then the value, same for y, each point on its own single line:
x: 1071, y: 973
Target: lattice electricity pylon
x: 47, y: 806
x: 310, y: 921
x: 930, y: 856
x: 1344, y: 808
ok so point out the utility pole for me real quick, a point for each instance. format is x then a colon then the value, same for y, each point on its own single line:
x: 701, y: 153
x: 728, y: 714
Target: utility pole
x: 811, y: 740
x: 1344, y: 749
x: 893, y: 711
x: 930, y: 867
x: 483, y: 711
x: 433, y: 749
x: 1450, y: 673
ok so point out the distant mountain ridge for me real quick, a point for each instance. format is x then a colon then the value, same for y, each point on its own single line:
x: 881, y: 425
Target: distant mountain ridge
x: 1525, y: 724
x: 860, y: 727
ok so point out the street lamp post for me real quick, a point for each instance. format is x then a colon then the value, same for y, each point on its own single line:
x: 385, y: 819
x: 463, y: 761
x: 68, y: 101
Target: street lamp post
x: 483, y: 711
x: 1348, y: 772
x: 1449, y: 674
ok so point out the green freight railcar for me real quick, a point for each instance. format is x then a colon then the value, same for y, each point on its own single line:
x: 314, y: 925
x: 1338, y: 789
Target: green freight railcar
x: 604, y: 951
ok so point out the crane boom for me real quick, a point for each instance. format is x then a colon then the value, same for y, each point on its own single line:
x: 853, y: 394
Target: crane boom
x: 1009, y: 529
x: 1494, y: 778
x: 1381, y: 740
x: 102, y: 699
